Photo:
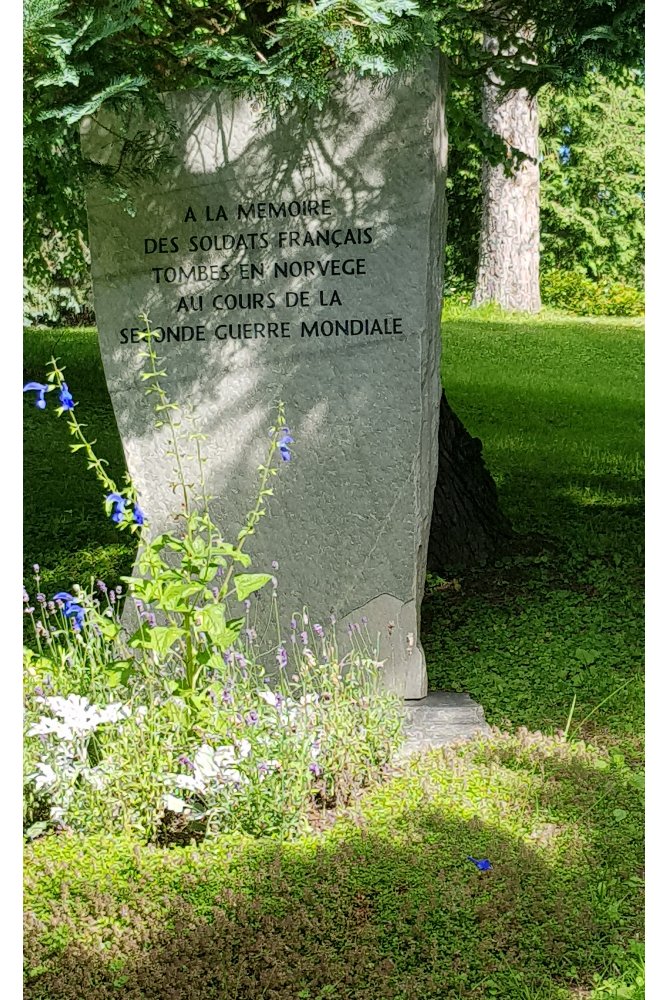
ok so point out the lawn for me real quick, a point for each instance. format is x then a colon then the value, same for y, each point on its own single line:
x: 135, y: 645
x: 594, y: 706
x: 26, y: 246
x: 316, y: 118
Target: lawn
x: 384, y: 905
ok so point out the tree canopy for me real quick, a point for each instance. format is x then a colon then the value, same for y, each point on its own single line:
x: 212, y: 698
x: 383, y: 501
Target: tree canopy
x: 80, y: 57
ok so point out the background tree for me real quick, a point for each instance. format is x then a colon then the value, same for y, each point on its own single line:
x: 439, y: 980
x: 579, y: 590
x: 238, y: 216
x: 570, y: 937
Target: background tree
x: 604, y: 34
x: 508, y: 270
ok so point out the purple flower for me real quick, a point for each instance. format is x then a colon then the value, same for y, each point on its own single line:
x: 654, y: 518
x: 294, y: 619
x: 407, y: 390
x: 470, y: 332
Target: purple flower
x: 364, y: 620
x: 283, y: 444
x: 41, y: 390
x: 246, y: 604
x: 315, y: 769
x: 304, y: 637
x: 226, y: 696
x: 252, y: 718
x: 319, y: 631
x: 481, y: 863
x: 41, y: 598
x: 274, y: 564
x: 101, y: 586
x: 251, y: 634
x: 281, y: 657
x: 241, y: 660
x: 292, y: 624
x: 66, y: 399
x: 186, y: 762
x: 26, y: 597
x: 118, y: 505
x: 227, y: 656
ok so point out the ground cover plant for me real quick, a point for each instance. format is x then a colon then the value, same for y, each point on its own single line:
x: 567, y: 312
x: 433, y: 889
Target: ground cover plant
x: 386, y: 902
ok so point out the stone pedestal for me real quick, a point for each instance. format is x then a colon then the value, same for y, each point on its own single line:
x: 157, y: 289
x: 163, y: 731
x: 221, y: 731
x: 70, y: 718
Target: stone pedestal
x: 298, y: 261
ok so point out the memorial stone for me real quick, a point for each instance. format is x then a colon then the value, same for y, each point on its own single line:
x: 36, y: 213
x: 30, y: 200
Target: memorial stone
x: 296, y: 260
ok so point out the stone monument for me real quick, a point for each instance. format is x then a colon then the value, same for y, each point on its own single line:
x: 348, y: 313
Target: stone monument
x: 296, y: 260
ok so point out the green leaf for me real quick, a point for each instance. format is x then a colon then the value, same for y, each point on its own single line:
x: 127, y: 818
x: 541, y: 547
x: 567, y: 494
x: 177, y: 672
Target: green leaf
x: 160, y: 638
x: 248, y: 583
x: 119, y: 672
x: 222, y: 632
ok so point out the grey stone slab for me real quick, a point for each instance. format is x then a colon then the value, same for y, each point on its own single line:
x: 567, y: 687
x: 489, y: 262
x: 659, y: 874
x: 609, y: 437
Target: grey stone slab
x: 441, y: 718
x: 217, y: 253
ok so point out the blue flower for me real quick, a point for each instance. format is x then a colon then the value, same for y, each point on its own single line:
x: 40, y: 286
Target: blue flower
x: 118, y: 506
x: 138, y: 514
x: 41, y: 390
x: 72, y: 610
x: 481, y: 863
x: 283, y: 444
x: 564, y: 155
x: 66, y: 398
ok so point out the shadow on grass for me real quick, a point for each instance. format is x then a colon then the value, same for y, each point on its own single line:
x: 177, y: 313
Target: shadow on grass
x: 387, y: 909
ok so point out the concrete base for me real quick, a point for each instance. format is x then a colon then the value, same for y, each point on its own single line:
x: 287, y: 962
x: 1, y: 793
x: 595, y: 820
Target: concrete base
x: 442, y: 717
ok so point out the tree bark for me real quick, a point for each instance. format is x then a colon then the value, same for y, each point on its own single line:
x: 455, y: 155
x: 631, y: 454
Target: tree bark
x: 467, y: 525
x: 509, y: 249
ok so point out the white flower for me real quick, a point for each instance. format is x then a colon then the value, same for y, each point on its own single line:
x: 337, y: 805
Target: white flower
x: 188, y: 782
x: 44, y: 776
x: 309, y: 699
x: 81, y: 717
x: 244, y: 749
x: 174, y: 804
x: 50, y: 727
x: 269, y: 697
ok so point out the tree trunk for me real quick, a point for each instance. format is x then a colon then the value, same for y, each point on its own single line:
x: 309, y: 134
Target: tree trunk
x: 467, y: 526
x: 509, y: 247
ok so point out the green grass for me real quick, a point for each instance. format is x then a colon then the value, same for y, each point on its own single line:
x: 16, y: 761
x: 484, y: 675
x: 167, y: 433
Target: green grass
x: 384, y: 906
x: 558, y: 404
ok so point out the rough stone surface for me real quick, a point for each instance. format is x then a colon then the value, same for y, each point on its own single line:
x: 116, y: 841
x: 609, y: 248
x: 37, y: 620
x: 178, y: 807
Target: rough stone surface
x: 441, y: 718
x: 350, y: 520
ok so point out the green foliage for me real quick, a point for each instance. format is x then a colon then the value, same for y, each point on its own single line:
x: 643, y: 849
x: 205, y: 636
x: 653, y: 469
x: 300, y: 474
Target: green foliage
x: 574, y: 292
x: 384, y: 904
x: 122, y: 53
x: 118, y: 717
x: 592, y: 203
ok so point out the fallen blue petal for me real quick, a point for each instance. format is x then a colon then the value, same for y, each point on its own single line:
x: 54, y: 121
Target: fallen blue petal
x: 481, y: 863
